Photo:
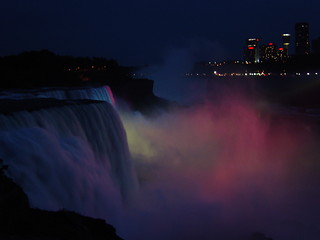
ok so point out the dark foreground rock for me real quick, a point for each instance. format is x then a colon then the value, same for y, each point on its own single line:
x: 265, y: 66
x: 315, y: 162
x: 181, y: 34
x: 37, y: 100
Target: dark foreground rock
x: 18, y: 221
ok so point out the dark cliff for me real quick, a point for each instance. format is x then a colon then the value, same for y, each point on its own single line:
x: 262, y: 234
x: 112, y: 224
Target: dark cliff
x: 20, y: 222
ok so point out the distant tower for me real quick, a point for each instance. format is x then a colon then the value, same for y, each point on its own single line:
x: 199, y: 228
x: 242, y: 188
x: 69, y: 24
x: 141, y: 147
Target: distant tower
x: 302, y: 39
x: 286, y: 43
x: 251, y: 52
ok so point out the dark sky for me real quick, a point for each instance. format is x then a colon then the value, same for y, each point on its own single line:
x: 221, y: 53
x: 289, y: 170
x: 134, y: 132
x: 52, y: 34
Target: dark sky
x: 145, y: 31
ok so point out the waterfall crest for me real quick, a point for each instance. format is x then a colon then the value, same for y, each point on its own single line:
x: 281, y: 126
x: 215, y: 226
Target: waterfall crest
x: 102, y: 93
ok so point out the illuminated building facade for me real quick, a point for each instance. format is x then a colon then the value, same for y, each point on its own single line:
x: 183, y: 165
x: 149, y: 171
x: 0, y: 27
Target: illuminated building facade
x: 251, y: 52
x: 282, y: 55
x: 286, y: 42
x: 302, y: 39
x: 269, y: 53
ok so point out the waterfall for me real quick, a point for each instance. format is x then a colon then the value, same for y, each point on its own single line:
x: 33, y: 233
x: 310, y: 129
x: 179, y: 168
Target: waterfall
x: 71, y: 157
x: 103, y: 93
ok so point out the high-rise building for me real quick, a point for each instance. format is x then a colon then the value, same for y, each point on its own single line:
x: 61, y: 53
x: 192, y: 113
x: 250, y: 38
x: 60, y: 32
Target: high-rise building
x: 302, y: 39
x: 251, y: 52
x: 286, y: 42
x: 268, y: 53
x: 282, y: 55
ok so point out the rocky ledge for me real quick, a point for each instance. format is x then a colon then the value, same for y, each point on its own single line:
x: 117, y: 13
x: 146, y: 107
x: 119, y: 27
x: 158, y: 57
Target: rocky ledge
x: 20, y: 222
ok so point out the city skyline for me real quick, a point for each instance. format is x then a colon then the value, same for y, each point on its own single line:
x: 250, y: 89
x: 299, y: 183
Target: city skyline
x: 298, y: 43
x: 142, y: 32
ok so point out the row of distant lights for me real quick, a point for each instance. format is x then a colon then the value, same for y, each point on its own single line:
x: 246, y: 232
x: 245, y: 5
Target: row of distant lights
x: 243, y: 74
x: 308, y: 74
x: 86, y: 69
x: 222, y: 63
x: 246, y: 74
x: 196, y: 74
x: 231, y: 74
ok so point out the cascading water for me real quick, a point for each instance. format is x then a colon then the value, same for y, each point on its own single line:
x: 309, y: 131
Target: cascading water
x: 210, y: 171
x: 99, y: 93
x: 74, y: 156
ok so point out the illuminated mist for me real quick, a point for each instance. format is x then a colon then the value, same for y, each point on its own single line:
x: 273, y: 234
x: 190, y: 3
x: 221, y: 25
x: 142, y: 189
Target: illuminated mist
x: 223, y: 172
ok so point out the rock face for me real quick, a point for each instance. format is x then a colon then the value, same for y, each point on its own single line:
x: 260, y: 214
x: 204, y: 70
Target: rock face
x: 18, y: 221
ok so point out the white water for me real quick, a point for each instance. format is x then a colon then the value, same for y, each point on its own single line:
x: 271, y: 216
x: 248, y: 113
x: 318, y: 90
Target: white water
x: 74, y: 157
x: 100, y: 94
x: 210, y: 172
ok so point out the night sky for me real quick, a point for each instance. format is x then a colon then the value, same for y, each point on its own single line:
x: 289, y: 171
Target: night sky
x: 144, y: 31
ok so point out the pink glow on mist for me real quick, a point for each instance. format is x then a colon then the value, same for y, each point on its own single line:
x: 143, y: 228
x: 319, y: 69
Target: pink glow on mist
x: 227, y: 166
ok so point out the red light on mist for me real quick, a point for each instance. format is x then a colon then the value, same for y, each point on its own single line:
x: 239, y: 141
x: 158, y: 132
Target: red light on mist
x: 270, y: 44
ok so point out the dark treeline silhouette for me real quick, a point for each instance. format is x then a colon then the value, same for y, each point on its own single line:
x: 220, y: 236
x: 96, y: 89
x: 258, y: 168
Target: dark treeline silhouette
x: 44, y: 68
x: 36, y: 69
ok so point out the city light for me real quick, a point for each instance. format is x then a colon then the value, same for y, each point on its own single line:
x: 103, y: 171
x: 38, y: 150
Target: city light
x: 267, y: 55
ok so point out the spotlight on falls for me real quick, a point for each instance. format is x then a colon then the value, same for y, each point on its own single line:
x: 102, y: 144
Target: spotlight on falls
x: 216, y: 170
x: 67, y: 154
